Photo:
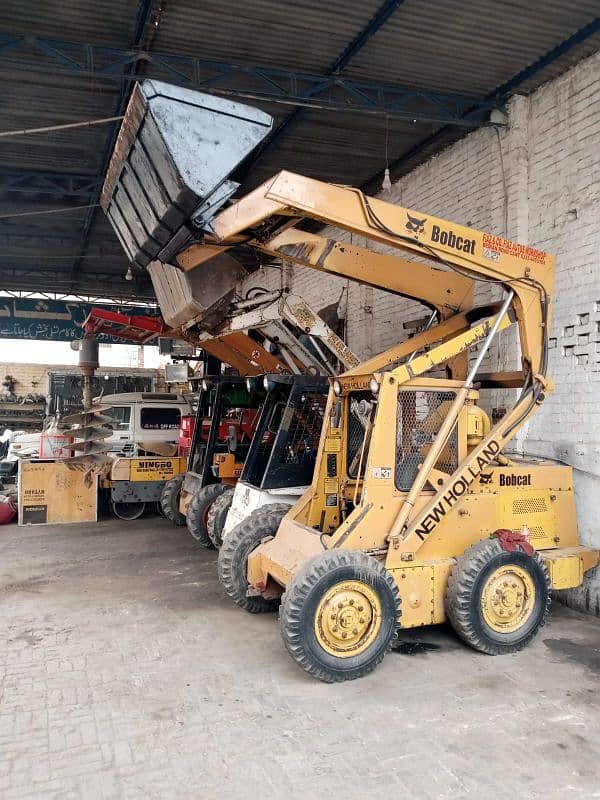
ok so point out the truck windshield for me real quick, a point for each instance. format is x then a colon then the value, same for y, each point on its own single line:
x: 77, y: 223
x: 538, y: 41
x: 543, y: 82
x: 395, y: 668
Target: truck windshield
x: 121, y: 417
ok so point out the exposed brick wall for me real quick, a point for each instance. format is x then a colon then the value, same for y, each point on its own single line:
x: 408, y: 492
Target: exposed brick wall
x: 33, y: 378
x: 537, y: 182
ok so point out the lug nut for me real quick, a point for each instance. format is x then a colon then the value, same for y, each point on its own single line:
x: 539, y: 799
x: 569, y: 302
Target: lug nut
x: 355, y: 631
x: 344, y: 635
x: 351, y: 602
x: 333, y: 616
x: 360, y: 608
x: 361, y: 620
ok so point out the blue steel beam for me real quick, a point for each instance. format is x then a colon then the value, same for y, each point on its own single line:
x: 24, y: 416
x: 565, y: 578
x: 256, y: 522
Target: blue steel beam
x: 500, y: 93
x: 379, y: 19
x: 376, y: 22
x: 105, y: 284
x: 51, y: 184
x: 328, y: 91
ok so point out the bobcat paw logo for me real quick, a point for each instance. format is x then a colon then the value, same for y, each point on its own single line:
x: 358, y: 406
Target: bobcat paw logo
x: 415, y: 225
x: 485, y: 477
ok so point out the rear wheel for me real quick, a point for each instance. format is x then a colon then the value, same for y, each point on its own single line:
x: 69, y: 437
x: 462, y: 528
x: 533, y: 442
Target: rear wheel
x: 169, y: 500
x: 497, y: 601
x: 127, y: 511
x: 197, y: 513
x: 233, y: 556
x: 217, y: 514
x: 339, y: 615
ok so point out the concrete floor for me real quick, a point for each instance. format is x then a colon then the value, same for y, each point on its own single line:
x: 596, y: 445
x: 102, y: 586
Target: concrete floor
x: 126, y: 673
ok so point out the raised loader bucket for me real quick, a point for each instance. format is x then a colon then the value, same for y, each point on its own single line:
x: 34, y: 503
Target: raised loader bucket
x: 169, y: 169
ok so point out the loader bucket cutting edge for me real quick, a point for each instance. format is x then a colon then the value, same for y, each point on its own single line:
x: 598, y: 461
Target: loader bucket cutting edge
x: 173, y: 155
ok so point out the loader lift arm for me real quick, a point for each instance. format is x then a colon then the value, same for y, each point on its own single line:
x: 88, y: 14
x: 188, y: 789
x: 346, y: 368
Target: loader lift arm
x: 267, y: 219
x: 271, y: 310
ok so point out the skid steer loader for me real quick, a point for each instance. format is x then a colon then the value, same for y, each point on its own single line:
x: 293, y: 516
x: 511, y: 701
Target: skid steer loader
x: 279, y: 466
x: 415, y: 515
x: 226, y: 418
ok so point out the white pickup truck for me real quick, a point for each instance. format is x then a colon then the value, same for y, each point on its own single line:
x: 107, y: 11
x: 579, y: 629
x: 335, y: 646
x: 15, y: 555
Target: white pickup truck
x: 141, y: 421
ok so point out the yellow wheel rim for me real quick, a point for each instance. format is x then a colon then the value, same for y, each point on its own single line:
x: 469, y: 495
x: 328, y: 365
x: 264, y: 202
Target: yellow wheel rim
x: 348, y: 619
x: 507, y: 598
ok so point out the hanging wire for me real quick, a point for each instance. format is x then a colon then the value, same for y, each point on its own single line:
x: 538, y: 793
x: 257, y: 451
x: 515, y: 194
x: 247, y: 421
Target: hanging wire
x: 48, y: 211
x: 49, y: 128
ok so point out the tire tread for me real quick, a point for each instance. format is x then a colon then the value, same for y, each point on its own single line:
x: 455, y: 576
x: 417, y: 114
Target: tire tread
x: 217, y: 514
x: 460, y: 586
x: 290, y: 612
x: 169, y: 500
x: 259, y: 524
x: 195, y: 513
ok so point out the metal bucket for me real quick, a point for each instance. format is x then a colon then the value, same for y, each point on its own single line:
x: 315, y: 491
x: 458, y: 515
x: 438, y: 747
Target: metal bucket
x: 201, y: 296
x: 173, y: 155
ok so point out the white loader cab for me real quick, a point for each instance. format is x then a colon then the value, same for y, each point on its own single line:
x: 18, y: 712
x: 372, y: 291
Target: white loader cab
x: 279, y: 465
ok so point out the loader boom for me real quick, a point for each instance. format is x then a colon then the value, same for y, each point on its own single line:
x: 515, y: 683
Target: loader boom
x: 469, y: 252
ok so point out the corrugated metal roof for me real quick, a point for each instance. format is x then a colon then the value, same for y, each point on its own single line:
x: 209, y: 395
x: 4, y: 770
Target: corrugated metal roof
x: 111, y: 24
x: 444, y: 45
x: 469, y: 48
x: 306, y: 35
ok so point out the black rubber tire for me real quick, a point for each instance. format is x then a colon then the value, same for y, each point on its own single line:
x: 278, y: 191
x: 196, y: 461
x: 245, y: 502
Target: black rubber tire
x: 217, y: 514
x: 127, y: 511
x: 300, y: 601
x: 463, y: 597
x: 234, y: 552
x: 197, y: 513
x: 169, y: 500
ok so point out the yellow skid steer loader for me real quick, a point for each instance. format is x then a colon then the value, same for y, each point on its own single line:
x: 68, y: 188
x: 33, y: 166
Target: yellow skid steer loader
x: 414, y: 515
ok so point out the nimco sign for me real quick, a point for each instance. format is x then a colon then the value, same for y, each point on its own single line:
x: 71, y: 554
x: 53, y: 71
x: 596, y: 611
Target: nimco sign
x: 53, y: 320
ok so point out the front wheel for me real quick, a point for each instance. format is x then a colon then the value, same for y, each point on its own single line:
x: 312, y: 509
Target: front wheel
x: 127, y: 511
x: 197, y: 513
x: 237, y: 545
x: 497, y: 601
x: 169, y: 500
x: 339, y: 615
x: 217, y: 516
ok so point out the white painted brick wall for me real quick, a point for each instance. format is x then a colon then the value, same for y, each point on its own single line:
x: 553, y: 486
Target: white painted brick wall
x: 538, y: 182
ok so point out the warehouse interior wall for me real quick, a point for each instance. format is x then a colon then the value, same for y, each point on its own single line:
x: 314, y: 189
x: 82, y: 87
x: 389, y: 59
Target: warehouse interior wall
x: 33, y: 378
x: 537, y: 182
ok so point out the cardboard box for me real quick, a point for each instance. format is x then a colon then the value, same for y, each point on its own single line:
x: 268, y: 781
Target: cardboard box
x: 51, y: 492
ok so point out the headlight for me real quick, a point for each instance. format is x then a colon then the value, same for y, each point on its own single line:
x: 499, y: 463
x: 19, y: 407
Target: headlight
x: 269, y: 384
x: 249, y: 385
x: 205, y: 386
x: 374, y: 385
x: 337, y: 388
